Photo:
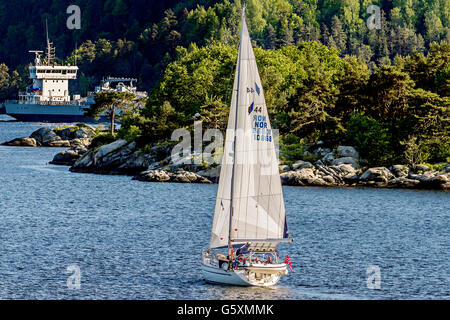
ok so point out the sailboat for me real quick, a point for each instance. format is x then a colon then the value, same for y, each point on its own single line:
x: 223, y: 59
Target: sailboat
x: 249, y: 217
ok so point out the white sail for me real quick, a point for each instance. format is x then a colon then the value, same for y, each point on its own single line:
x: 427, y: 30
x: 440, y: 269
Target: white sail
x: 249, y: 186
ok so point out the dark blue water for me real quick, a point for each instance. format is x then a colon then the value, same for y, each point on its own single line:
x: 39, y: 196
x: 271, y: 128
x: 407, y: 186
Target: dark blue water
x: 136, y: 240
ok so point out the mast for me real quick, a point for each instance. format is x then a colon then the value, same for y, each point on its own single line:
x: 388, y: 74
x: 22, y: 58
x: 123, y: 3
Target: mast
x: 234, y: 141
x: 50, y: 48
x: 249, y: 202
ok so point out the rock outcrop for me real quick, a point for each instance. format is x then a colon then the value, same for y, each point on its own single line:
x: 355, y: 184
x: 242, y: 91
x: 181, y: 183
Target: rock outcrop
x: 21, y: 142
x: 57, y: 138
x: 122, y: 157
x: 164, y: 176
x: 118, y: 157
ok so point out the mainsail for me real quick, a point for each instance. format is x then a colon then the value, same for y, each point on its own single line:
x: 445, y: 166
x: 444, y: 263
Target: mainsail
x: 249, y: 188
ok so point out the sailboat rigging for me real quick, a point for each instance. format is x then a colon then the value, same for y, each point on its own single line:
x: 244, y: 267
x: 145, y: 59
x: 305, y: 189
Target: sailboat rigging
x: 249, y: 216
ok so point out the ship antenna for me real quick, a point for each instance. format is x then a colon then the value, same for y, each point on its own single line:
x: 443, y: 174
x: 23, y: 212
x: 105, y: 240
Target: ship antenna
x: 46, y: 32
x: 50, y: 49
x: 48, y: 41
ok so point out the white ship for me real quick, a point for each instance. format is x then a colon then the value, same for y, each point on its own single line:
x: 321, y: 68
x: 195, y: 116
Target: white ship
x: 120, y: 85
x: 47, y: 99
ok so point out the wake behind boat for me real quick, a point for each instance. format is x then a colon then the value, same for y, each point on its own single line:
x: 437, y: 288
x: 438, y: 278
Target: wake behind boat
x: 249, y: 217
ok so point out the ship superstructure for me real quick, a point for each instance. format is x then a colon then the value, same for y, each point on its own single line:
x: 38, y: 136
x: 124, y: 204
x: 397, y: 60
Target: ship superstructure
x: 120, y: 85
x: 48, y: 98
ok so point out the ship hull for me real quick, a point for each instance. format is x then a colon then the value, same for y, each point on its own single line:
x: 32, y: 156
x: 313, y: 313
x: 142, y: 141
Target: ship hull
x: 49, y: 113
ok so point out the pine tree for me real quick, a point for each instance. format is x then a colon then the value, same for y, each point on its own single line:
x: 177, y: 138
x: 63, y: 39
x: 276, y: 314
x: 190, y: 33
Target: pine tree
x: 270, y: 37
x: 338, y: 34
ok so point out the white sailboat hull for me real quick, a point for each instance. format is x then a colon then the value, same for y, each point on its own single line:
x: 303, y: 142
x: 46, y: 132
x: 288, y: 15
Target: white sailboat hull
x: 245, y: 276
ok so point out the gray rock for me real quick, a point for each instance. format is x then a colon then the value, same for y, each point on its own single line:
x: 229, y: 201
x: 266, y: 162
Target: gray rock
x: 153, y: 176
x: 347, y: 151
x: 321, y: 152
x: 67, y: 133
x: 351, y: 178
x: 319, y: 163
x: 306, y: 174
x: 22, y: 142
x: 378, y: 174
x: 300, y: 177
x: 300, y: 164
x: 284, y: 168
x: 66, y: 158
x: 347, y: 160
x: 329, y: 180
x: 108, y: 148
x: 83, y: 133
x: 161, y: 152
x: 319, y: 182
x: 138, y: 160
x: 328, y: 157
x: 344, y: 168
x: 86, y: 161
x: 155, y: 166
x: 422, y: 167
x: 59, y: 143
x: 430, y: 180
x: 45, y: 136
x: 403, y: 182
x: 80, y: 143
x: 163, y: 176
x: 399, y: 170
x: 290, y: 178
x: 212, y: 174
x: 425, y: 177
x: 188, y: 177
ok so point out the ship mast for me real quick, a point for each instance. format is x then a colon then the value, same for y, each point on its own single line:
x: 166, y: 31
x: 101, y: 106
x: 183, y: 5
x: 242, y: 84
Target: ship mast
x: 50, y: 49
x: 230, y: 226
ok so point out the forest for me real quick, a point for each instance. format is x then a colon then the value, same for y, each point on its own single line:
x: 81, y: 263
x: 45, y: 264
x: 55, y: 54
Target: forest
x: 326, y: 75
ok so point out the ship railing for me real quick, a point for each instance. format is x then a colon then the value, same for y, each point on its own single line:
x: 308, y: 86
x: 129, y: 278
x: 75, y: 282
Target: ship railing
x: 53, y: 103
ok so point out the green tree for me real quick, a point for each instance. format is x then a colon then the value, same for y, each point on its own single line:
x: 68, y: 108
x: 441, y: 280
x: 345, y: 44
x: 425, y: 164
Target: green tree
x: 370, y: 138
x: 338, y: 34
x: 110, y: 102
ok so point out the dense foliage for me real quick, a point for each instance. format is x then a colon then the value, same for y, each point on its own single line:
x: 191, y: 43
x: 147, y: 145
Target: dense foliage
x: 326, y: 75
x: 139, y: 37
x: 314, y: 94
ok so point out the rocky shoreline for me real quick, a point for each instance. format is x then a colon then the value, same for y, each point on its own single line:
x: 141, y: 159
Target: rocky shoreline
x: 341, y: 167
